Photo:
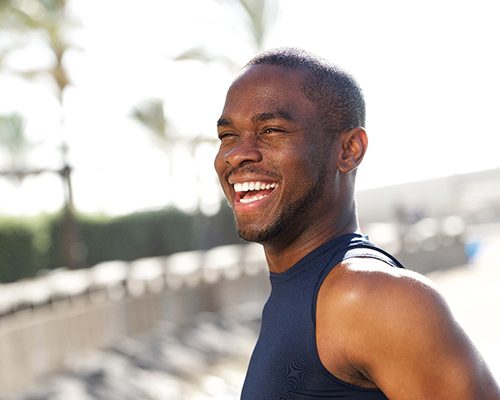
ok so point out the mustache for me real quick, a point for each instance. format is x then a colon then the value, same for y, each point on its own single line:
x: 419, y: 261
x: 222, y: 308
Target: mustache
x: 252, y: 170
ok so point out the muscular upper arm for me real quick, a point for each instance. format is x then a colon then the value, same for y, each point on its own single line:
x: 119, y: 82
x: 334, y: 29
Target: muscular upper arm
x: 404, y: 338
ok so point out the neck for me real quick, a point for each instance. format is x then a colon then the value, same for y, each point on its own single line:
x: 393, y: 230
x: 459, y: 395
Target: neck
x: 287, y: 249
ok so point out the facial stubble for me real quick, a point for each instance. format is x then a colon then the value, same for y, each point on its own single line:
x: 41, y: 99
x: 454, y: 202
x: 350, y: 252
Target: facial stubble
x: 289, y: 214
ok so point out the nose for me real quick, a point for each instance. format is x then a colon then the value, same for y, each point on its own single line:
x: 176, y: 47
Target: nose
x: 245, y: 151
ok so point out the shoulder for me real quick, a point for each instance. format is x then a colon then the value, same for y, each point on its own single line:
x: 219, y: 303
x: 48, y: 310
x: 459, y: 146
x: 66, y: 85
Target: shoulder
x: 384, y: 303
x: 371, y: 284
x: 365, y: 306
x: 380, y: 300
x: 396, y: 329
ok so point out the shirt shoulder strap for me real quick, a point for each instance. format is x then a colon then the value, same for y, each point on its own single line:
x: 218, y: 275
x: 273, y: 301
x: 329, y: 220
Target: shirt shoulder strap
x: 368, y: 250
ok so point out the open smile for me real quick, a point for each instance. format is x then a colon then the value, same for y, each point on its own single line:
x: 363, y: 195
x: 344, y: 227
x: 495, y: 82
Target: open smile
x: 251, y: 192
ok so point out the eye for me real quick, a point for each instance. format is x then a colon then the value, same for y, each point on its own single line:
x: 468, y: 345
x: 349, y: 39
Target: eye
x: 272, y: 129
x: 225, y: 136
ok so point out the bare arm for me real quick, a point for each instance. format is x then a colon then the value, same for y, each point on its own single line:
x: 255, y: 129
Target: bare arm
x: 401, y: 335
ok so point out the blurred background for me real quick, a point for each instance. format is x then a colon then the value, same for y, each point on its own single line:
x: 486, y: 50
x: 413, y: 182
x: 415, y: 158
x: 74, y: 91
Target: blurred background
x: 121, y: 276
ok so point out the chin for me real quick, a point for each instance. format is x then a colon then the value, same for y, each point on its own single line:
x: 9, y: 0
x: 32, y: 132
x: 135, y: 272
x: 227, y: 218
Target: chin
x: 260, y: 234
x: 250, y: 235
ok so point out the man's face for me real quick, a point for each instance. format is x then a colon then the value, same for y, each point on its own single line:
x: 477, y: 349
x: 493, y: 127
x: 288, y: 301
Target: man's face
x: 274, y: 159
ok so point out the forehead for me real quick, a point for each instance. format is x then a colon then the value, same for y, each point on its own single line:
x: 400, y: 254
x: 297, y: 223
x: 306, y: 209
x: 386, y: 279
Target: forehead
x: 262, y: 88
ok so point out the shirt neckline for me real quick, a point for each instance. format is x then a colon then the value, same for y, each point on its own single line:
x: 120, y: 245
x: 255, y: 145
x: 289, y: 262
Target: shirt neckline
x: 304, y: 263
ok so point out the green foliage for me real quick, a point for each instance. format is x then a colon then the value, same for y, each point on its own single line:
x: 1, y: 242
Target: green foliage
x: 144, y: 234
x: 18, y: 253
x: 30, y: 245
x: 138, y: 235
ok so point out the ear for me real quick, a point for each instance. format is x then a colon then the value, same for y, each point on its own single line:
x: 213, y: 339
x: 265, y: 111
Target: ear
x: 353, y: 147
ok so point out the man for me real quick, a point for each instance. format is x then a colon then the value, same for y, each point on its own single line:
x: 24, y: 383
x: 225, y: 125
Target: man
x: 343, y: 321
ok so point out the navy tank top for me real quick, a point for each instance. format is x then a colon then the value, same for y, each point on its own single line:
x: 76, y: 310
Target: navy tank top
x: 285, y: 363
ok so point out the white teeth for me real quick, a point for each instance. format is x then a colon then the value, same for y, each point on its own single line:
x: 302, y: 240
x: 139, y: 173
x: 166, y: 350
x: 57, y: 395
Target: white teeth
x: 254, y: 186
x: 252, y: 199
x: 246, y: 186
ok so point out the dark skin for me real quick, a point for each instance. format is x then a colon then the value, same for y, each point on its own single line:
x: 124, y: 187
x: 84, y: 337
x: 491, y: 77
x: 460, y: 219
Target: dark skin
x: 376, y: 326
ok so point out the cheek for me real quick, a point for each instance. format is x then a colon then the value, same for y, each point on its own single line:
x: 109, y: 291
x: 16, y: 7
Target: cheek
x: 301, y: 159
x: 305, y: 168
x: 220, y: 167
x: 297, y: 171
x: 219, y: 163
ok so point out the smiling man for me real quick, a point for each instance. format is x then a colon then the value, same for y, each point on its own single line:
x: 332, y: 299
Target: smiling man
x: 344, y: 320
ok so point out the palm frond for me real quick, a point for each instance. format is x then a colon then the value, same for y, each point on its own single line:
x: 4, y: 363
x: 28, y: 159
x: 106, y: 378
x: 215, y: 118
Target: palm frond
x: 260, y: 16
x: 200, y: 53
x: 151, y: 115
x: 255, y: 13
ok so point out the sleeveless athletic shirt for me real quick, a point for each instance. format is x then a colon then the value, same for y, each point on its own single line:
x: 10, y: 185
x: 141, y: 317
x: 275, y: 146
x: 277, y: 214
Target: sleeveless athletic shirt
x: 285, y: 364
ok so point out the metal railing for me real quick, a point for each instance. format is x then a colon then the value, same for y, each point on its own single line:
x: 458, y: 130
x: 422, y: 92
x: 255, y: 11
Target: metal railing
x: 46, y: 321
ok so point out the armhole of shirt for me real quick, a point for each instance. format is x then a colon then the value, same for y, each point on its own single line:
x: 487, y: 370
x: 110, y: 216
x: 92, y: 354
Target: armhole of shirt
x: 363, y: 250
x: 368, y: 251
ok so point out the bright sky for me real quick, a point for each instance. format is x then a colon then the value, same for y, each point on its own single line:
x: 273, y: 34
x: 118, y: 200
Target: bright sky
x: 429, y: 70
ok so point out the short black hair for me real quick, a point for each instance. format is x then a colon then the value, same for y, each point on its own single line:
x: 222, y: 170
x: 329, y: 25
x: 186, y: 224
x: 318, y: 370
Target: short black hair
x: 336, y: 93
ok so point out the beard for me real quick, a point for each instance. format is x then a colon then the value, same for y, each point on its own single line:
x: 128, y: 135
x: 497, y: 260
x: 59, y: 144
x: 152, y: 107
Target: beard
x: 288, y: 215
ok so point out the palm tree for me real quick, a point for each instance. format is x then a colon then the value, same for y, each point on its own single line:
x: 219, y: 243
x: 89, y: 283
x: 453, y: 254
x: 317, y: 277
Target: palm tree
x: 50, y: 20
x: 257, y: 16
x: 150, y: 114
x: 260, y: 14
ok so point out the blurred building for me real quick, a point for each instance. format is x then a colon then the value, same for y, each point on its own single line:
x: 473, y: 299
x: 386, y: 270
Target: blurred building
x: 473, y: 196
x: 433, y: 224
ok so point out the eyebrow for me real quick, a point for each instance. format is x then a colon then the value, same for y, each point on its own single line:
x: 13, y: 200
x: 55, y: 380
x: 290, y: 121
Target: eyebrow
x: 261, y: 117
